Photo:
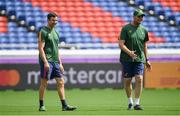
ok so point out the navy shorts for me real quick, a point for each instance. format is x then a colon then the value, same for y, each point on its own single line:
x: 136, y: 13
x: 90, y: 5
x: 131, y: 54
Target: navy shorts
x: 53, y: 72
x: 130, y: 69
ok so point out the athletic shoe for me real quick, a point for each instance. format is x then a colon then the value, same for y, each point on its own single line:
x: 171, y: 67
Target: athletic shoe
x: 42, y: 108
x: 138, y: 107
x: 69, y: 108
x: 130, y: 106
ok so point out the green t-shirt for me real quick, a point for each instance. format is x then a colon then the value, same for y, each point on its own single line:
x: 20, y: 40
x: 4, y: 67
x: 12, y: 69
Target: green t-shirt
x: 51, y: 39
x: 135, y: 38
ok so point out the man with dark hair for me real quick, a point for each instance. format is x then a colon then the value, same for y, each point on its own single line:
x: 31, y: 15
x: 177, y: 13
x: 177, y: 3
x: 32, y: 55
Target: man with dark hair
x: 133, y: 44
x: 50, y: 62
x: 51, y: 15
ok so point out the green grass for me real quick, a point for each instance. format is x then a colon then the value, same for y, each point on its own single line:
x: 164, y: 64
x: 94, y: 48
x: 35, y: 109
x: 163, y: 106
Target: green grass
x: 90, y: 102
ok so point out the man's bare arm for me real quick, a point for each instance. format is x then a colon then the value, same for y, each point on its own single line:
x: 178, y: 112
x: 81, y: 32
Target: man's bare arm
x: 123, y: 47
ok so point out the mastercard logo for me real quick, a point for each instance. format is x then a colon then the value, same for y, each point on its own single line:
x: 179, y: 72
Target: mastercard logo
x: 9, y: 77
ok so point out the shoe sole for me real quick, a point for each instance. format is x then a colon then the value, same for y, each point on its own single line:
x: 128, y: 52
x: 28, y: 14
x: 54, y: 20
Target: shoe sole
x: 69, y: 109
x: 42, y: 110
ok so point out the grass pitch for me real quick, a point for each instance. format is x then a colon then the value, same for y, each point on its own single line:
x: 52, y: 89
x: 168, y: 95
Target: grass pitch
x: 90, y: 102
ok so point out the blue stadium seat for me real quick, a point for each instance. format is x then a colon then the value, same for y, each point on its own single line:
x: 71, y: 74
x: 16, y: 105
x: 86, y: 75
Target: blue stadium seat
x: 31, y: 25
x: 161, y: 14
x: 4, y: 38
x: 2, y: 2
x: 151, y: 9
x: 11, y: 15
x: 2, y: 9
x: 21, y: 20
x: 171, y: 19
x: 10, y: 2
x: 140, y: 4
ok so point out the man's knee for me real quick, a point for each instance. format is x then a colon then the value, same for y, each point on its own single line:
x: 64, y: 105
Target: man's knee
x: 60, y: 82
x: 44, y: 83
x: 139, y: 78
x: 127, y: 80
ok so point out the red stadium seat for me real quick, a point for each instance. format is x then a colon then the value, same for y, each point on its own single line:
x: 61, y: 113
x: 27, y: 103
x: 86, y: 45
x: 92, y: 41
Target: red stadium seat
x: 3, y: 24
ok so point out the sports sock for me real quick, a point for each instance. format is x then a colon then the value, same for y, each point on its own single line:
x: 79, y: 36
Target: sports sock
x: 63, y: 102
x: 130, y: 100
x: 41, y: 103
x: 137, y: 100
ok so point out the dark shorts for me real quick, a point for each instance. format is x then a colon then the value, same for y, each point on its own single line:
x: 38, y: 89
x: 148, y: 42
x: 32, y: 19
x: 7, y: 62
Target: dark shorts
x: 53, y: 72
x: 130, y: 69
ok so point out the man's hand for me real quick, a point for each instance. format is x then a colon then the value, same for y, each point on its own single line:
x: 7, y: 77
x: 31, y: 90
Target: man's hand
x: 46, y: 66
x: 148, y: 66
x: 61, y: 68
x: 133, y: 55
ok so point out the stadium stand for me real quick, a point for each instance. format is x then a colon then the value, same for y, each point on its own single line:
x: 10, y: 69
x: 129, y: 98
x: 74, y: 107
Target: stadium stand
x: 87, y: 23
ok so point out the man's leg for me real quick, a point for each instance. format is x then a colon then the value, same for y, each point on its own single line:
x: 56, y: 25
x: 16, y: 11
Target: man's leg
x: 138, y: 74
x: 138, y: 86
x: 42, y: 88
x: 127, y: 74
x: 61, y: 93
x: 138, y: 91
x: 60, y: 88
x: 128, y: 89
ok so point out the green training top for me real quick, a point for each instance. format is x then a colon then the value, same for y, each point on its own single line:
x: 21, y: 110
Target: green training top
x: 135, y: 37
x: 51, y: 39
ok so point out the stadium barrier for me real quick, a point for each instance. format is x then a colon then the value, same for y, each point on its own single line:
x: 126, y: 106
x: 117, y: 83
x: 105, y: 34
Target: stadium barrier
x: 86, y: 69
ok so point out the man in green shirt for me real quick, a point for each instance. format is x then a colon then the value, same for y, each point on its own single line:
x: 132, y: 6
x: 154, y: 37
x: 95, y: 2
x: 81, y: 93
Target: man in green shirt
x: 133, y: 44
x: 50, y: 63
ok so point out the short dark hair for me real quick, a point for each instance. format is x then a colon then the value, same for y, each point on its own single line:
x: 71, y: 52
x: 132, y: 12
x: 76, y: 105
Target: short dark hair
x: 52, y: 14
